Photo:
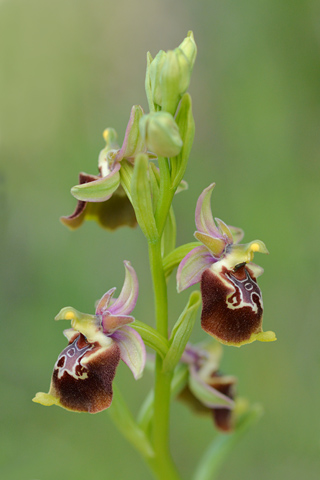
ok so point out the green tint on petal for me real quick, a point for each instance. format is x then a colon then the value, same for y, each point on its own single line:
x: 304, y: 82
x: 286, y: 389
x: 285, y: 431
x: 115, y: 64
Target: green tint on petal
x: 215, y: 245
x: 98, y: 190
x: 224, y: 229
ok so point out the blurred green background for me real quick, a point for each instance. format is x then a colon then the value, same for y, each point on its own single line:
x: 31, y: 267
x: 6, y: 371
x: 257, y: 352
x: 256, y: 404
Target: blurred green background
x: 71, y: 68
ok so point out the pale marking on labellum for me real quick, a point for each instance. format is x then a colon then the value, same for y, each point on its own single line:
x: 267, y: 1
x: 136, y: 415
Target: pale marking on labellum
x: 72, y: 356
x: 249, y: 286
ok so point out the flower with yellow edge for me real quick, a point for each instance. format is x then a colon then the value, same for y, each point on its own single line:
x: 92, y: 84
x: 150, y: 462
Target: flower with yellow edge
x: 232, y: 301
x: 83, y: 374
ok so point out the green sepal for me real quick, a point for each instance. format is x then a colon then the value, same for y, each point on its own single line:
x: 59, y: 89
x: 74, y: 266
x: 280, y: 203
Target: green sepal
x: 168, y: 240
x: 126, y: 173
x: 98, y: 190
x: 181, y: 332
x: 141, y: 198
x: 152, y: 338
x: 185, y: 122
x: 173, y: 259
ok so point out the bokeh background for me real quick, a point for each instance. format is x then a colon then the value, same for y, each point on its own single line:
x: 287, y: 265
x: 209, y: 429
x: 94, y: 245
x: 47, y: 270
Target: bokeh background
x: 71, y: 68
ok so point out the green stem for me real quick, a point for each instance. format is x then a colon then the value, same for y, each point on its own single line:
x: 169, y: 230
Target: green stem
x: 179, y: 381
x: 167, y: 469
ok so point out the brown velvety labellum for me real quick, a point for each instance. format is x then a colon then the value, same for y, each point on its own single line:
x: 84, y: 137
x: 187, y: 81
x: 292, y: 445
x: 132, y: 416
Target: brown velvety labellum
x: 223, y: 419
x: 83, y: 375
x: 223, y: 416
x: 232, y: 304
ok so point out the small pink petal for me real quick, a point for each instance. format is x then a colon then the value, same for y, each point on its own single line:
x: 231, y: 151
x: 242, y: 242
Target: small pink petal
x: 204, y: 219
x: 103, y: 303
x: 111, y: 323
x: 129, y: 293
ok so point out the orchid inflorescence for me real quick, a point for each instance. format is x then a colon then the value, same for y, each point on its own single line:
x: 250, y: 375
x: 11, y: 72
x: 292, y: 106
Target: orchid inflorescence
x: 135, y: 186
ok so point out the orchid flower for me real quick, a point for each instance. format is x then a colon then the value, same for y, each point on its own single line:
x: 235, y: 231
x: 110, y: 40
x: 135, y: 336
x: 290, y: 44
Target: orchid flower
x: 209, y: 391
x: 101, y: 197
x: 84, y: 371
x: 232, y: 301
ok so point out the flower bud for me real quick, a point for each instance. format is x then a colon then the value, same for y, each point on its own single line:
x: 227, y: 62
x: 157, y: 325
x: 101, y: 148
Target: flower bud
x: 169, y: 74
x: 189, y: 48
x: 154, y: 74
x: 161, y: 134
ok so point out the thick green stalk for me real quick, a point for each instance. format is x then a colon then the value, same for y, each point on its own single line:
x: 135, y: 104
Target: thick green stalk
x: 166, y: 466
